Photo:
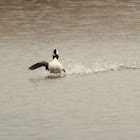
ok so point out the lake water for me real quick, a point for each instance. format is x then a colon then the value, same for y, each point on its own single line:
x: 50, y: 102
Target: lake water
x: 99, y: 46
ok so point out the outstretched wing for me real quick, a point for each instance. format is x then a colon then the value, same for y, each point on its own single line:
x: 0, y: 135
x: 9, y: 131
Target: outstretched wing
x: 40, y: 64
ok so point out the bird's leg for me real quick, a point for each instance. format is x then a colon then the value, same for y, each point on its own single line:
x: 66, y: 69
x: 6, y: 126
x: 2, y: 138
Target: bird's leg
x: 50, y: 75
x: 61, y: 74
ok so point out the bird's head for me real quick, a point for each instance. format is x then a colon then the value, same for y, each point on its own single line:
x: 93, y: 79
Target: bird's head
x: 55, y: 54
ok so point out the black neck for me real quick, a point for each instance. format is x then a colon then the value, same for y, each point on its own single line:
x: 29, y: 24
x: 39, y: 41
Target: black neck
x: 55, y: 56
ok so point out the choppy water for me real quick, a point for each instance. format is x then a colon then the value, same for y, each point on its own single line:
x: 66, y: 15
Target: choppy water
x: 99, y: 46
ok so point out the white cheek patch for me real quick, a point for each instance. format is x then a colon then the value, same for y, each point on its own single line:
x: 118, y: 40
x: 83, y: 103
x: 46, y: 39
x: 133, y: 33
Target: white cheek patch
x: 57, y: 52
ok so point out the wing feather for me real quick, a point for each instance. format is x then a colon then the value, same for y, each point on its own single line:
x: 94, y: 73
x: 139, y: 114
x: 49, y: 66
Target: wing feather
x: 38, y: 65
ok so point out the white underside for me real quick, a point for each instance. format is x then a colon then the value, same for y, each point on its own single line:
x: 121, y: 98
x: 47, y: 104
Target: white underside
x: 55, y: 66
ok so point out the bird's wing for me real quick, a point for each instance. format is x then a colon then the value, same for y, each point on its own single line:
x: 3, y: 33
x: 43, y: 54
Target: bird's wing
x: 40, y: 64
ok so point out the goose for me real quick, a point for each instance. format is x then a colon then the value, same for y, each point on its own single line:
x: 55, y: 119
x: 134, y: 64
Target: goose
x: 54, y: 67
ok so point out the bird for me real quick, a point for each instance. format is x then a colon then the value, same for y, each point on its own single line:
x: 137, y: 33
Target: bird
x: 54, y: 67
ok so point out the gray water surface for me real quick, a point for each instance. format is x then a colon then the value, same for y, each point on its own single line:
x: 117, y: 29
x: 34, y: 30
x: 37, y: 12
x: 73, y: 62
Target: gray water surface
x: 99, y: 45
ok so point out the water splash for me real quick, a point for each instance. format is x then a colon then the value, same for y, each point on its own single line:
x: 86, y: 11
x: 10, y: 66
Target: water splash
x: 83, y: 68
